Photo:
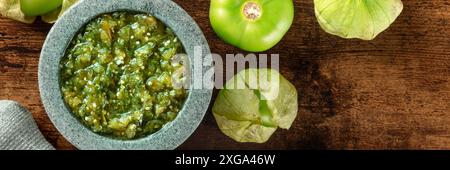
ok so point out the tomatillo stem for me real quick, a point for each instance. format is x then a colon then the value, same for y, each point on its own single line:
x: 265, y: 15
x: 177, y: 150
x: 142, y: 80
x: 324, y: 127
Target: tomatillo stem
x: 252, y: 10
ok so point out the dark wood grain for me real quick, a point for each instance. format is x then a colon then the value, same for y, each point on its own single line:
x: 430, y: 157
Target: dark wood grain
x: 389, y: 93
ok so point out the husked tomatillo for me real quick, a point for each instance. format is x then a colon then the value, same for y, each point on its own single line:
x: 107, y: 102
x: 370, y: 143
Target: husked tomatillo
x: 252, y: 25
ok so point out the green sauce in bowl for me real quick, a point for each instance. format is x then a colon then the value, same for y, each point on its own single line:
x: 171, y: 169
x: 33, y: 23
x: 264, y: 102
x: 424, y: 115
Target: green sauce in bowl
x: 117, y: 75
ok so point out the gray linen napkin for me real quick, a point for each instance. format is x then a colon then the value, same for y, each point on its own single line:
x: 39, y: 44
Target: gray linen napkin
x: 18, y: 131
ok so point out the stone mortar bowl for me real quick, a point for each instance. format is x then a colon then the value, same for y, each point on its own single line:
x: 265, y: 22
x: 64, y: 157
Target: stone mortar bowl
x: 173, y: 133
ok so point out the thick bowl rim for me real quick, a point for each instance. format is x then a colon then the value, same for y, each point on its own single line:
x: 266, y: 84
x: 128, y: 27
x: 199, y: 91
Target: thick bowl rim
x: 173, y: 133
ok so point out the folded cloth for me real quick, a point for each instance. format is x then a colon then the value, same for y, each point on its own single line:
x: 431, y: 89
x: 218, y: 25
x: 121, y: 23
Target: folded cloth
x: 18, y: 131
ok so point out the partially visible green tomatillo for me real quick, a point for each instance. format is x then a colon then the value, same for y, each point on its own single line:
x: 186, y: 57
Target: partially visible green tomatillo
x: 38, y: 7
x: 363, y: 19
x: 25, y: 10
x: 252, y: 25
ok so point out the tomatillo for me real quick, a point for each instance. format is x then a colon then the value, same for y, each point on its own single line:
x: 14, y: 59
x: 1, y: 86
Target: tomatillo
x: 38, y: 7
x: 252, y: 25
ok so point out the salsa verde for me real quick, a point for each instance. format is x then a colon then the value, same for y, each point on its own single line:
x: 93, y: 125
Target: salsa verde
x: 117, y: 75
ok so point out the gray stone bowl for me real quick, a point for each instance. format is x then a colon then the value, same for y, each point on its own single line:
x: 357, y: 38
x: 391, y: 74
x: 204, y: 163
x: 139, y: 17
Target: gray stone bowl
x: 173, y: 133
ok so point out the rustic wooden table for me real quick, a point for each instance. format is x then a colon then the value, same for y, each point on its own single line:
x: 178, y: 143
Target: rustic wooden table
x: 389, y: 93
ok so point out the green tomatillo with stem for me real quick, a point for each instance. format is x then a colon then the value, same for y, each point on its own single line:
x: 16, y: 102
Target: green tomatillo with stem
x: 252, y: 25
